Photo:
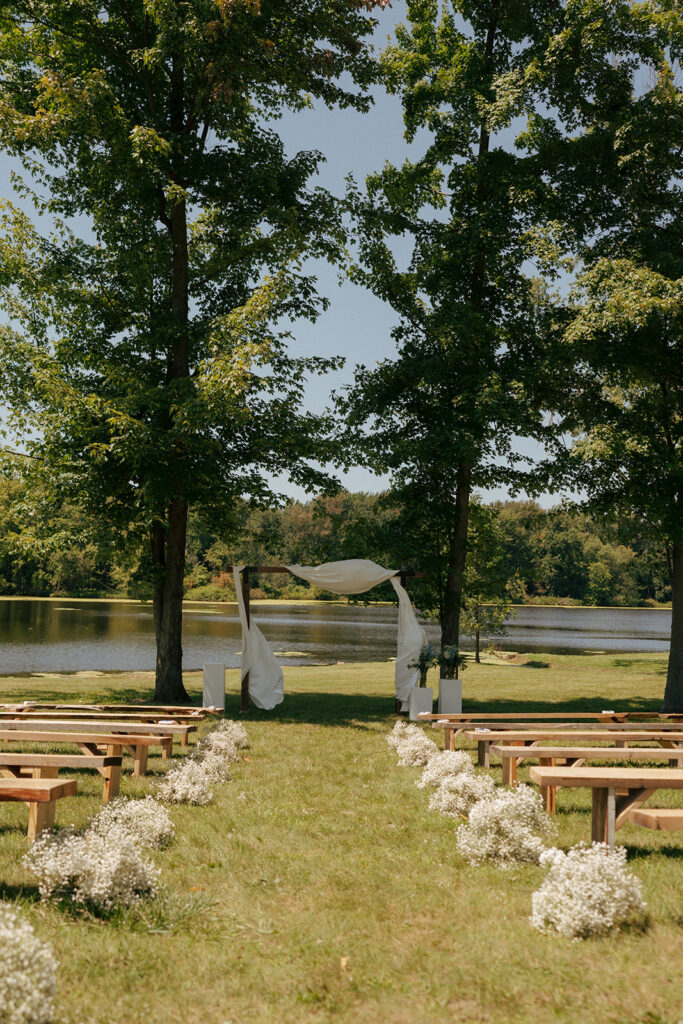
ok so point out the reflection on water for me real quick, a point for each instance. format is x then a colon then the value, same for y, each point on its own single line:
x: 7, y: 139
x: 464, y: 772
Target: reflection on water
x: 70, y: 635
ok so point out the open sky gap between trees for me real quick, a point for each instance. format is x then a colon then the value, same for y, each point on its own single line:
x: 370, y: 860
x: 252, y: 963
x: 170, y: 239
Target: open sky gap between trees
x: 149, y: 371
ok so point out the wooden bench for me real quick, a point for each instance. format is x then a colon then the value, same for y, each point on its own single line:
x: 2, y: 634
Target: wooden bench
x: 617, y: 792
x: 452, y: 729
x: 164, y: 731
x: 669, y: 819
x: 41, y: 795
x: 88, y: 714
x: 94, y: 743
x: 573, y: 757
x: 485, y: 738
x: 164, y: 710
x: 46, y: 766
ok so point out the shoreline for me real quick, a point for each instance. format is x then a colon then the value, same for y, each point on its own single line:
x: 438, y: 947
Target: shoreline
x: 664, y: 607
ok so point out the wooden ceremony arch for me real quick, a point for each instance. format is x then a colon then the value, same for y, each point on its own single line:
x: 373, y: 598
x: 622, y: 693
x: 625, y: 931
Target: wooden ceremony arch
x: 245, y: 573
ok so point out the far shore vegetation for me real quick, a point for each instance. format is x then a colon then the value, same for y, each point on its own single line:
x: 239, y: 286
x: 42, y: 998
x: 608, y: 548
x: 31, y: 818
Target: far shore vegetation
x: 553, y: 557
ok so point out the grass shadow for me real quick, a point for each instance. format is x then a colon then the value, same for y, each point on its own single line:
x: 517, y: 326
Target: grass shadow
x: 22, y: 893
x: 328, y: 709
x: 640, y: 852
x: 592, y: 703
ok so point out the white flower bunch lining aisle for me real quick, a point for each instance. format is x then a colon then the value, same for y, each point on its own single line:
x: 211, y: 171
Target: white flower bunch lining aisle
x: 352, y: 576
x: 190, y: 780
x: 28, y: 972
x: 588, y: 890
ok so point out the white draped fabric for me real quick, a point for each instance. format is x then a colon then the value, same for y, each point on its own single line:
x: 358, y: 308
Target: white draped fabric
x: 266, y: 681
x: 353, y: 576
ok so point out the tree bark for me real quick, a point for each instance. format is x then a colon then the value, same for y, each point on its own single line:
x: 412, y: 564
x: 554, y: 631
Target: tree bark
x: 168, y: 617
x: 673, y: 694
x: 457, y: 554
x: 477, y: 634
x: 169, y: 688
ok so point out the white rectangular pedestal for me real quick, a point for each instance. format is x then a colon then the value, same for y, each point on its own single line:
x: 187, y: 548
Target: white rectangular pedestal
x: 421, y: 699
x: 450, y: 696
x: 214, y: 687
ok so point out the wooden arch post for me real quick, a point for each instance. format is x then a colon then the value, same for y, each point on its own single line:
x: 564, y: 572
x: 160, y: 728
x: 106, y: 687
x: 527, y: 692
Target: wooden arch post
x: 402, y: 574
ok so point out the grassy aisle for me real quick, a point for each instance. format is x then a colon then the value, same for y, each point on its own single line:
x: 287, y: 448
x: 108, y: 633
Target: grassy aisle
x: 318, y: 887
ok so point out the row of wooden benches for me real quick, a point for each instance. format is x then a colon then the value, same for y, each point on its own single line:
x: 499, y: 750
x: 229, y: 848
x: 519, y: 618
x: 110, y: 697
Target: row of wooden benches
x: 617, y: 792
x: 32, y: 777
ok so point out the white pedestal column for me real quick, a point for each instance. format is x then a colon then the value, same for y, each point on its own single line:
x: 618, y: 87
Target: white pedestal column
x: 421, y: 699
x: 214, y: 687
x: 450, y: 696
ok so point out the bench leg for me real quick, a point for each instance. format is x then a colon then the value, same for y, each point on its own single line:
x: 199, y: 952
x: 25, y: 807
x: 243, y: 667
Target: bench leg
x: 140, y: 760
x: 112, y: 777
x: 548, y: 793
x: 40, y: 817
x: 167, y: 747
x: 483, y: 756
x: 449, y: 739
x: 603, y: 825
x: 509, y: 770
x: 184, y: 740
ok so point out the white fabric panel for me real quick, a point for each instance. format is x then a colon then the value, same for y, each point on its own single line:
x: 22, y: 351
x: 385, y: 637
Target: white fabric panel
x: 411, y: 639
x: 266, y: 681
x: 355, y: 576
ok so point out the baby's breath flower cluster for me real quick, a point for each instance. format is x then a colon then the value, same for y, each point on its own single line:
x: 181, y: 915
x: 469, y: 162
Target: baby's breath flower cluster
x: 397, y: 734
x: 190, y: 781
x: 227, y: 731
x: 100, y: 871
x: 146, y: 822
x: 186, y: 782
x: 588, y: 891
x: 457, y: 794
x: 504, y: 828
x: 445, y: 765
x: 27, y: 972
x: 412, y: 745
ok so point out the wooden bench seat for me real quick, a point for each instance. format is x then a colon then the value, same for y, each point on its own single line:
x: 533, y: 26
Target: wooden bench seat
x: 668, y: 819
x: 617, y: 792
x: 144, y: 718
x: 486, y: 738
x: 96, y: 743
x: 512, y: 756
x: 164, y: 710
x: 47, y: 766
x: 41, y: 795
x: 165, y: 733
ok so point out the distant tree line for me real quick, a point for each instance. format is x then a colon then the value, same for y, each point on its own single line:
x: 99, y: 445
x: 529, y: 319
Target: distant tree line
x: 550, y: 555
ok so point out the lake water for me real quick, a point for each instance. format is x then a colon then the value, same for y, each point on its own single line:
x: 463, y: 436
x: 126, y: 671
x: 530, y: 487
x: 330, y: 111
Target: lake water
x: 69, y: 635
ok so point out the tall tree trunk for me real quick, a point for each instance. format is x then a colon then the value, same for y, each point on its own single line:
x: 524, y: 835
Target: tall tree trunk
x: 169, y: 687
x: 457, y: 554
x: 673, y: 694
x: 168, y: 619
x: 477, y: 633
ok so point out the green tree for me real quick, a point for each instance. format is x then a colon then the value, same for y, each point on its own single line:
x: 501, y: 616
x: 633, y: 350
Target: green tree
x: 473, y: 324
x: 622, y: 394
x: 143, y: 358
x: 489, y: 591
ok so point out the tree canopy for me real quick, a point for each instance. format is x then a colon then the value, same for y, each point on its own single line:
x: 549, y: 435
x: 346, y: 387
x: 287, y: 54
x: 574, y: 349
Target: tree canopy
x: 145, y: 356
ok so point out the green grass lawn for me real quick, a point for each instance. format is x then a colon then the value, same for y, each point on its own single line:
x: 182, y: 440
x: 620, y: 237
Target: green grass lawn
x: 318, y: 887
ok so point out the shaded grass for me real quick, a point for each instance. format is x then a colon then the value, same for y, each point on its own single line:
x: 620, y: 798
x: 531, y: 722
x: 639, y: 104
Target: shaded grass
x: 318, y: 887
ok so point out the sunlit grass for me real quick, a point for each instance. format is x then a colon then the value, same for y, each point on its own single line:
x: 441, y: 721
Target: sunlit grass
x: 318, y: 887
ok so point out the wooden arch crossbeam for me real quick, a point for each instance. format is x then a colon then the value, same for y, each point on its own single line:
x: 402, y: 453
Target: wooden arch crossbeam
x: 249, y: 570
